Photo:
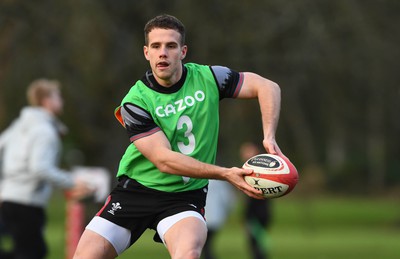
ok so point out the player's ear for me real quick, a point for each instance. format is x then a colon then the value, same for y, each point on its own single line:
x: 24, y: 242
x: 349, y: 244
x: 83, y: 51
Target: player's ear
x: 146, y: 52
x: 183, y: 51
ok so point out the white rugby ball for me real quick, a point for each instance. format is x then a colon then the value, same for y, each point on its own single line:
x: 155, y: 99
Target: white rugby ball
x: 274, y: 175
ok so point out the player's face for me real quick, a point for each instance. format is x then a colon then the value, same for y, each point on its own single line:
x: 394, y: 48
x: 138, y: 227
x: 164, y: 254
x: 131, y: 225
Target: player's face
x: 165, y: 54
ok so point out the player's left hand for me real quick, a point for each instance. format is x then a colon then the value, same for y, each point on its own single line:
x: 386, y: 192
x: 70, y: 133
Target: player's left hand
x: 272, y: 147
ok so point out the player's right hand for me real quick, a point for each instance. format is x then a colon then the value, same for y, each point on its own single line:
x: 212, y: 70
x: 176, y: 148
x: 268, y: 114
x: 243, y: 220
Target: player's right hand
x: 236, y: 178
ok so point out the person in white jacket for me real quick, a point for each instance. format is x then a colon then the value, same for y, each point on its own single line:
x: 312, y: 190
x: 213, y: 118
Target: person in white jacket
x: 31, y: 147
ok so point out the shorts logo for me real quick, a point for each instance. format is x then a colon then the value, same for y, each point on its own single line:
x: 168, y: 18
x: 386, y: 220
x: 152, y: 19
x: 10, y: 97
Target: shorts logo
x: 115, y: 206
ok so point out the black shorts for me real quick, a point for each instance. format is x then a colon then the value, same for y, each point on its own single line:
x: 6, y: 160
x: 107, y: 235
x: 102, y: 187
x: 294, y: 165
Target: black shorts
x: 137, y: 208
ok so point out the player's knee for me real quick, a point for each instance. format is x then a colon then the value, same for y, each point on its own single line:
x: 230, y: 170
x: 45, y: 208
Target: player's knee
x: 77, y: 255
x: 187, y: 254
x: 80, y: 254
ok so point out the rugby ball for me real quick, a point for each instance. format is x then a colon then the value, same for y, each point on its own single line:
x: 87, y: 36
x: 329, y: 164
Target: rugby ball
x: 274, y: 175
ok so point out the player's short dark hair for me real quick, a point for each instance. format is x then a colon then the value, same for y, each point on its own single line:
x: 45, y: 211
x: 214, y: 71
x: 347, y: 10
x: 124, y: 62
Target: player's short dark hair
x: 164, y: 21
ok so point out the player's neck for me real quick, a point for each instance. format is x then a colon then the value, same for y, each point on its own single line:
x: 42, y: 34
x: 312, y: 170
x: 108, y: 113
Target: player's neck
x: 170, y: 81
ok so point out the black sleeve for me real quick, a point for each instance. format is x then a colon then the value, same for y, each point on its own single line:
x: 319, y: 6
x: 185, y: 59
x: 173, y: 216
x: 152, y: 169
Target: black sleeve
x: 138, y: 122
x: 229, y: 82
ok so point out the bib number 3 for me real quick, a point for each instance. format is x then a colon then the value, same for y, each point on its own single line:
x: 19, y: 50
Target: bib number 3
x: 188, y: 146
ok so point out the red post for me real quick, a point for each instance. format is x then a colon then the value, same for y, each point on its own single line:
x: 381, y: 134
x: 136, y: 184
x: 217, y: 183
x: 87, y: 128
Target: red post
x: 74, y: 225
x: 99, y: 179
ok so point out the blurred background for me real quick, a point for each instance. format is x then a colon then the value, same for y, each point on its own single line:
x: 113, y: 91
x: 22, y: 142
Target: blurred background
x: 335, y: 61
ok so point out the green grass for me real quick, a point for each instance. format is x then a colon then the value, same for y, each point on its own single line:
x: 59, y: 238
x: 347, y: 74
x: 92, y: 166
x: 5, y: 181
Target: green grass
x: 309, y: 228
x: 323, y: 228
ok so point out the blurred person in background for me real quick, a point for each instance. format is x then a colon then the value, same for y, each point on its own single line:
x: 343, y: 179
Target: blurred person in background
x: 4, y: 253
x: 31, y: 146
x: 257, y: 213
x: 219, y: 203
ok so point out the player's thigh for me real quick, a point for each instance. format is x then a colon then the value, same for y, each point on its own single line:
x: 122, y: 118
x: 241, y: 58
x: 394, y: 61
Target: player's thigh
x: 94, y: 246
x: 188, y: 235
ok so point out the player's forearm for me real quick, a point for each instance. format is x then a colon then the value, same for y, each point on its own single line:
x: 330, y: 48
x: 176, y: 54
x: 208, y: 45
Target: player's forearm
x: 179, y: 164
x: 269, y: 98
x: 157, y: 149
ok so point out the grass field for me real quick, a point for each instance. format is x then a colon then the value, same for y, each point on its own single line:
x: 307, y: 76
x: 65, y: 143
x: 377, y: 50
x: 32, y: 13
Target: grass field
x: 310, y: 228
